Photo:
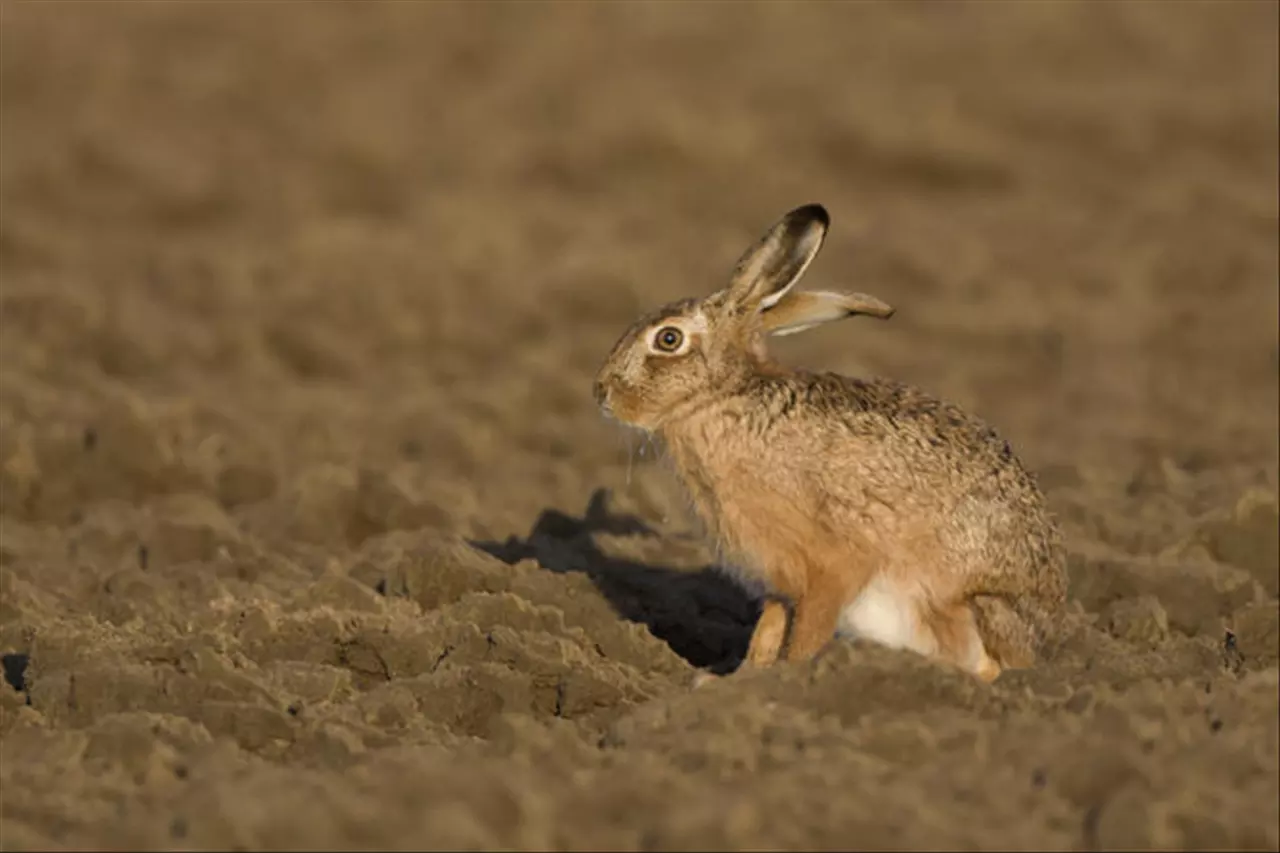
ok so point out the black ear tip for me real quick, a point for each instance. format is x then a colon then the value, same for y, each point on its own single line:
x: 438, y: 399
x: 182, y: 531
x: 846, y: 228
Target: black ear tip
x: 813, y: 213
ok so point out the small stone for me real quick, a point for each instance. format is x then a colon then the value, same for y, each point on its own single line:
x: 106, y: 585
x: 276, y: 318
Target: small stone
x: 1248, y: 537
x: 1141, y: 620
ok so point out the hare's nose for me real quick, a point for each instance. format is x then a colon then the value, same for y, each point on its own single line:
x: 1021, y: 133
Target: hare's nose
x: 600, y: 390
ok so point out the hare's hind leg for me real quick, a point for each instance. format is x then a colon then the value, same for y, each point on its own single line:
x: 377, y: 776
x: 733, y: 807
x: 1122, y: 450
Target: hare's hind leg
x: 1007, y: 634
x: 959, y: 641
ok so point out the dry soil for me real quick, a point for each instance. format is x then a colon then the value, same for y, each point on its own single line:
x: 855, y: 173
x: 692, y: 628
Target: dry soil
x: 314, y: 538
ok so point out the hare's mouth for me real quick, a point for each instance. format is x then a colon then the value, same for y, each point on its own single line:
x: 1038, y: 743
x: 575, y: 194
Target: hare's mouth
x: 601, y: 393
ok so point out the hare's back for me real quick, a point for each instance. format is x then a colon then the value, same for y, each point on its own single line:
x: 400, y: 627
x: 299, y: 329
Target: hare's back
x: 913, y: 449
x: 961, y: 477
x: 908, y: 419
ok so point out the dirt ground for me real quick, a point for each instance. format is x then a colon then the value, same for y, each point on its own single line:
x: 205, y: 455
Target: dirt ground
x: 314, y: 538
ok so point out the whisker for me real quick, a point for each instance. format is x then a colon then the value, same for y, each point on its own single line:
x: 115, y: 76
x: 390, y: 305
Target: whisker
x: 630, y: 457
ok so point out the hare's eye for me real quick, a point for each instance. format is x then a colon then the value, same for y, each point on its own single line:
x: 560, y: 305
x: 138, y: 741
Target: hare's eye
x: 668, y: 339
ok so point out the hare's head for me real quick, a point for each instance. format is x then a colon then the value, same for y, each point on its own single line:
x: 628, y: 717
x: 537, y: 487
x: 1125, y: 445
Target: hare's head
x: 688, y: 353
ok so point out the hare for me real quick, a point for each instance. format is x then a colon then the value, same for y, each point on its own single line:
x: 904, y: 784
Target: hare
x: 862, y: 507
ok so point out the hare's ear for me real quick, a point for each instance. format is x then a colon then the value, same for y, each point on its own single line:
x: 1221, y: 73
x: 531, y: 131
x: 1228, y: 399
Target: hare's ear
x: 771, y: 267
x: 800, y: 311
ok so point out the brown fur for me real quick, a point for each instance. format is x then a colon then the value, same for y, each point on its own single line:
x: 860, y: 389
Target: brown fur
x: 816, y: 485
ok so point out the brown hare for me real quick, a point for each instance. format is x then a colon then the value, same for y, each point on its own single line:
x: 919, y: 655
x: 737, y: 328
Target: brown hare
x: 862, y: 507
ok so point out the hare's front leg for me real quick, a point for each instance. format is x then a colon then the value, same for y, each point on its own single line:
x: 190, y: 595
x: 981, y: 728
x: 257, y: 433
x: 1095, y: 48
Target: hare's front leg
x: 766, y: 640
x: 813, y: 625
x: 769, y: 635
x: 818, y: 596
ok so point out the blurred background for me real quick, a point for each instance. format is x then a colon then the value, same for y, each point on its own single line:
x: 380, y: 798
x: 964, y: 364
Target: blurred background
x: 362, y: 226
x: 290, y: 277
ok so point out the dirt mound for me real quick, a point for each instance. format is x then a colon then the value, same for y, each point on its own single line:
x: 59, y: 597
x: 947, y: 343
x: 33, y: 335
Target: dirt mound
x: 312, y: 534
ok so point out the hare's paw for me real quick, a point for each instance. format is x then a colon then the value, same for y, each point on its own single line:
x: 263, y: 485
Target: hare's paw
x: 704, y: 677
x: 988, y: 670
x: 737, y: 666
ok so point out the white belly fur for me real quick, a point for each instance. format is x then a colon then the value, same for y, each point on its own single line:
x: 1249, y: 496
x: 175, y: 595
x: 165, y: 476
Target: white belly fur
x: 885, y: 613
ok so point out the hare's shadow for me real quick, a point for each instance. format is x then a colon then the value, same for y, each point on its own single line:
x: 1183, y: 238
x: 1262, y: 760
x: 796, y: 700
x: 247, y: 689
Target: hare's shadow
x: 703, y: 616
